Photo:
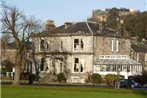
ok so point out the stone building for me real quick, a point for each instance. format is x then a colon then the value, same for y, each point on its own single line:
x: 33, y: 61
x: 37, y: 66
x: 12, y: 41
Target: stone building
x: 8, y: 57
x: 113, y: 57
x: 101, y: 16
x: 139, y: 53
x: 76, y: 49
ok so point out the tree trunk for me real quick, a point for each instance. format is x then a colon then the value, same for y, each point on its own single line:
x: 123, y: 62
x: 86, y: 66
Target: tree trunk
x: 17, y: 69
x: 17, y: 75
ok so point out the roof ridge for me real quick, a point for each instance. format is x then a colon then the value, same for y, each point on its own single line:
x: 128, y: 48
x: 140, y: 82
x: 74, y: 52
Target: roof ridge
x: 89, y: 27
x: 92, y: 22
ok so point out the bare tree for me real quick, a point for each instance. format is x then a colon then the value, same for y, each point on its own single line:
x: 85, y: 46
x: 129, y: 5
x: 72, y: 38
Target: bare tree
x: 21, y: 28
x: 5, y: 39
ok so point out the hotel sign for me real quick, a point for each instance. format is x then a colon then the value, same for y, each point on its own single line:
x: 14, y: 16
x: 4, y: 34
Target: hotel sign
x: 113, y: 57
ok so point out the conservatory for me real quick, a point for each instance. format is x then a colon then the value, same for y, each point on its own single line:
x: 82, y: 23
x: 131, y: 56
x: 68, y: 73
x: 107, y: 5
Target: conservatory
x: 117, y: 64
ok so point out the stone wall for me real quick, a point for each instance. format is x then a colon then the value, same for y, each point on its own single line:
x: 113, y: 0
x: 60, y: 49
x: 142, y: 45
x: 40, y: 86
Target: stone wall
x: 103, y: 46
x: 68, y: 53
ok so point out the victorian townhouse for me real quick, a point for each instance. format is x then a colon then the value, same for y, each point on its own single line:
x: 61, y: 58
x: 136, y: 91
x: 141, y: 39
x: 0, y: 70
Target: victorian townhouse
x: 83, y: 48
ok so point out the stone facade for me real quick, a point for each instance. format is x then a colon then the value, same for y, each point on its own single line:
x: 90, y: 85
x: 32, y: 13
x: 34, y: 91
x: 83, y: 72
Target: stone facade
x: 75, y: 50
x: 77, y: 59
x: 111, y: 47
x: 8, y: 58
x: 65, y: 53
x: 104, y: 46
x: 139, y: 53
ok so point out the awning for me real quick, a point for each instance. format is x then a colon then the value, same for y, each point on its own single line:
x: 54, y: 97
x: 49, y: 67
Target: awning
x: 116, y: 62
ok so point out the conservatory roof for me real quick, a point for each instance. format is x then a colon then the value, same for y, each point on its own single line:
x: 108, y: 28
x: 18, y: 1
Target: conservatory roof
x: 116, y: 62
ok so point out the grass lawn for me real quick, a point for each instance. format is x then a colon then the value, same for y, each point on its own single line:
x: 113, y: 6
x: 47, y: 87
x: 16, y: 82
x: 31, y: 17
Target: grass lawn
x: 68, y: 92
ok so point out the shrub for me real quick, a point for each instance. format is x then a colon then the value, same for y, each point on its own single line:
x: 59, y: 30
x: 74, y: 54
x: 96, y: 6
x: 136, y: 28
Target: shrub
x: 5, y: 69
x: 142, y: 79
x: 61, y: 77
x: 24, y: 76
x: 37, y: 77
x: 95, y: 78
x: 111, y: 79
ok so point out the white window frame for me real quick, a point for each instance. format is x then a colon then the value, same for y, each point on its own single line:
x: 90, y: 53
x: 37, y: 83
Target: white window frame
x: 76, y: 45
x: 137, y: 57
x: 96, y: 68
x: 80, y: 62
x: 79, y: 44
x: 117, y: 46
x: 61, y: 46
x: 61, y: 66
x: 112, y: 45
x: 41, y: 44
x: 48, y: 65
x: 145, y: 58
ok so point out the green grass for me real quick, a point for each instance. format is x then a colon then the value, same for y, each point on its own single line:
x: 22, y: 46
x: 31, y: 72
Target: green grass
x: 68, y: 92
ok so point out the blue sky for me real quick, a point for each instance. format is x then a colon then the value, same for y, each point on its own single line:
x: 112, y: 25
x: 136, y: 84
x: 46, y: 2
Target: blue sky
x: 71, y: 10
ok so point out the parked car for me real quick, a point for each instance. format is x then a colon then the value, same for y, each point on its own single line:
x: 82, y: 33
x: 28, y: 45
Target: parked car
x: 135, y: 84
x: 129, y: 84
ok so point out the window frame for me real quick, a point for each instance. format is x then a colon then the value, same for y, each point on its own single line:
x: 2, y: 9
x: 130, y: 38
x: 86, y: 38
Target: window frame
x: 42, y: 44
x: 79, y: 45
x: 145, y: 57
x: 79, y: 65
x: 61, y: 46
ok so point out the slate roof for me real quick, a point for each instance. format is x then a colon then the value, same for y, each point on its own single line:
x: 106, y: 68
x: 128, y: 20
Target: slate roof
x: 139, y: 47
x: 83, y: 27
x: 79, y: 28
